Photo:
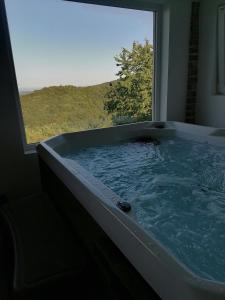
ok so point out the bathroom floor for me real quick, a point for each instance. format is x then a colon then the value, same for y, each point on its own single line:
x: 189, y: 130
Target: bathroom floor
x: 51, y: 262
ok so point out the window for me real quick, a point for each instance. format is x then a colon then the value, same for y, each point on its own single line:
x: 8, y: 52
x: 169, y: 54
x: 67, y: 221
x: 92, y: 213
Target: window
x: 221, y: 50
x: 80, y: 66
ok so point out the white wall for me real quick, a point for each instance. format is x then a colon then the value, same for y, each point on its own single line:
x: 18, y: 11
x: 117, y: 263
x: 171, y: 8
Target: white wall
x: 175, y: 47
x: 211, y: 105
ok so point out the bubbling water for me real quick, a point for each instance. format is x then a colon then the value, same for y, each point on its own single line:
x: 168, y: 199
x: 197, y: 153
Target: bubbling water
x: 177, y: 193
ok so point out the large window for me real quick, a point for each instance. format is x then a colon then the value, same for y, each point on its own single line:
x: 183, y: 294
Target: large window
x: 80, y: 66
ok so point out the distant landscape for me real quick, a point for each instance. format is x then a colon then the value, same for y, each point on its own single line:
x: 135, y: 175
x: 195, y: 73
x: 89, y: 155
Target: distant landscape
x: 66, y: 108
x: 58, y: 109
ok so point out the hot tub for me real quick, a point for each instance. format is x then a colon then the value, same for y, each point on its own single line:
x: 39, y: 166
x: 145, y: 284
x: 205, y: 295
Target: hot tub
x: 167, y: 268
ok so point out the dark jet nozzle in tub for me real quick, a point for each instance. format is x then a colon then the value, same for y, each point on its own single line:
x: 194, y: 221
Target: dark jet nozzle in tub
x: 147, y: 140
x: 124, y: 206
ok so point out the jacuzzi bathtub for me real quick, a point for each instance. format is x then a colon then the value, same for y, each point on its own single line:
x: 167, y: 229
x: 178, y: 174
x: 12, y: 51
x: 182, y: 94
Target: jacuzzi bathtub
x: 165, y: 274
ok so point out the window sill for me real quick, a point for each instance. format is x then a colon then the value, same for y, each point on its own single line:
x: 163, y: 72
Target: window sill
x: 30, y: 149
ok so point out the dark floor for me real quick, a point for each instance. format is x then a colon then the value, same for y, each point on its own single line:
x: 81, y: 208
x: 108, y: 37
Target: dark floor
x: 50, y: 262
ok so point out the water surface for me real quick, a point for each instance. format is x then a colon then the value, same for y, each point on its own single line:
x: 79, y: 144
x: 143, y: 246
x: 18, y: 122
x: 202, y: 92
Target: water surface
x: 177, y: 192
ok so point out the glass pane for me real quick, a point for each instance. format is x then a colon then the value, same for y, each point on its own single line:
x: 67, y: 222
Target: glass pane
x: 80, y: 66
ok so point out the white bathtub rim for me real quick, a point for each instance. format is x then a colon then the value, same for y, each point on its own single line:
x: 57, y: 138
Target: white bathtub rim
x: 206, y: 134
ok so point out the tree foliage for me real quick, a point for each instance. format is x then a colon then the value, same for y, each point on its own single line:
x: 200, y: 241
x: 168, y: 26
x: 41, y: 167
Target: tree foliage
x: 131, y: 95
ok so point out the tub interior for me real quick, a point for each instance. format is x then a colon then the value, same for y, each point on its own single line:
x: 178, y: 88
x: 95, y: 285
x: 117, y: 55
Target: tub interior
x: 174, y: 181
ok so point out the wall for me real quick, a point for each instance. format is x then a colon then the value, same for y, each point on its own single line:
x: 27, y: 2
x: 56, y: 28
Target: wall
x: 211, y: 106
x: 175, y: 46
x: 192, y: 81
x: 19, y: 173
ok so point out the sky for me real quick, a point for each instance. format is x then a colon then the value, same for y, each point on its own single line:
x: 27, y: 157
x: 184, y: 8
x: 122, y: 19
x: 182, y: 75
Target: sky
x: 56, y: 42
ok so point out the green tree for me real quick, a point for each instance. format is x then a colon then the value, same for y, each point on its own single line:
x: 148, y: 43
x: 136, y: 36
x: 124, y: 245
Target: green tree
x: 130, y: 95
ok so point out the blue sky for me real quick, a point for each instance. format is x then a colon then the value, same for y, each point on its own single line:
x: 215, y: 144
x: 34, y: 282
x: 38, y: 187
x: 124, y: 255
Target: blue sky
x: 57, y: 42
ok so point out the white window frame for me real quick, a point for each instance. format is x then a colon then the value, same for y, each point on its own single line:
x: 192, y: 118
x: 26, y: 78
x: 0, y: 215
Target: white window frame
x: 136, y: 4
x: 221, y: 49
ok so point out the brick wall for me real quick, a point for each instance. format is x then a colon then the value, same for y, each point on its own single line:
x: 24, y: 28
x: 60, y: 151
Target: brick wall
x: 193, y: 65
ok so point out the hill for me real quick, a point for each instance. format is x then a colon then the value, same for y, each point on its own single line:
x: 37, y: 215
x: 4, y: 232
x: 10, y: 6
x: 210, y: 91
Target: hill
x: 58, y: 109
